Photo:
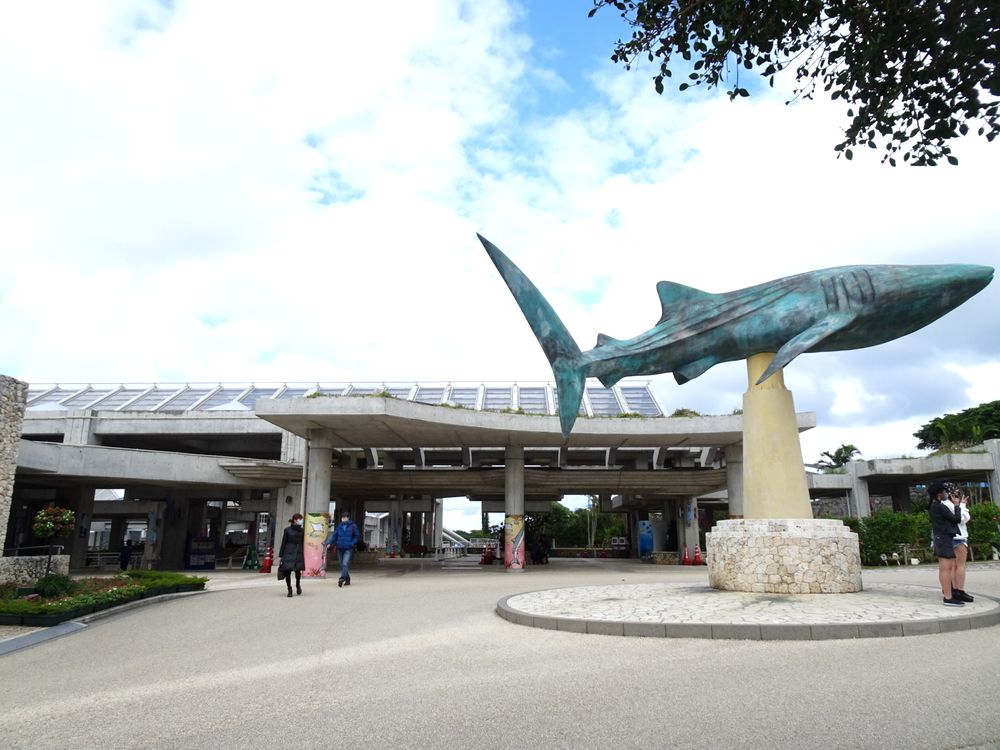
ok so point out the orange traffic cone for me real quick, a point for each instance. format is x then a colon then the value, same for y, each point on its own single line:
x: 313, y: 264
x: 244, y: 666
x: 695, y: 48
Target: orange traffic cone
x: 265, y: 567
x: 697, y: 555
x: 687, y: 558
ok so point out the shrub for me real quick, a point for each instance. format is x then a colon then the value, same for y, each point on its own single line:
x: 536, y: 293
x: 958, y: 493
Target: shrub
x: 983, y: 523
x: 53, y: 584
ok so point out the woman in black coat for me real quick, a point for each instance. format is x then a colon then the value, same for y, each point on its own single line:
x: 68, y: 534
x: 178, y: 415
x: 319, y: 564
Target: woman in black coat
x: 292, y: 553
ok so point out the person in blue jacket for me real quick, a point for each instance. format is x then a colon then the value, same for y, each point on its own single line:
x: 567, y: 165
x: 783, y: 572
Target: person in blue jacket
x: 345, y: 537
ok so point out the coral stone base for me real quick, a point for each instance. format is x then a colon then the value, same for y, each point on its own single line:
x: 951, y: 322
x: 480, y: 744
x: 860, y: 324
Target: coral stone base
x: 784, y: 556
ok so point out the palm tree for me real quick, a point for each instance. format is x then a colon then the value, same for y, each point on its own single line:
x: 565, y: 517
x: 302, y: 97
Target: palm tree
x: 838, y: 458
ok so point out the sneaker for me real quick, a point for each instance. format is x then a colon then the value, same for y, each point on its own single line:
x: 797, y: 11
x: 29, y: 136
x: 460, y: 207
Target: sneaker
x: 954, y: 601
x: 962, y: 596
x: 347, y: 582
x: 340, y: 583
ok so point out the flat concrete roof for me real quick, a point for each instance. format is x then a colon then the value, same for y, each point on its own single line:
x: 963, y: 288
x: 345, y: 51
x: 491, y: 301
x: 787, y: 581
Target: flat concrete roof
x: 373, y: 421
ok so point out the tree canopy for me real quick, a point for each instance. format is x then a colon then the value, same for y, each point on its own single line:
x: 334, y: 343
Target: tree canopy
x: 969, y: 427
x: 915, y: 73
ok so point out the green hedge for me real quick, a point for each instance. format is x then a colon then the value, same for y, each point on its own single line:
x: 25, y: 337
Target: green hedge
x: 883, y: 532
x: 89, y: 595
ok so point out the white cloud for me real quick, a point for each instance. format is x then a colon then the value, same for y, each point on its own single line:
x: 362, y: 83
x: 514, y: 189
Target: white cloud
x: 163, y: 169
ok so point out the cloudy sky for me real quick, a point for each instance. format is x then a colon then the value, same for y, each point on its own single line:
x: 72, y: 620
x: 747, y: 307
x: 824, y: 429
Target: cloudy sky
x: 241, y: 191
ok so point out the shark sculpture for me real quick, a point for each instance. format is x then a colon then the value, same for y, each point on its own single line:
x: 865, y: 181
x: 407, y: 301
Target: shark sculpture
x: 834, y: 309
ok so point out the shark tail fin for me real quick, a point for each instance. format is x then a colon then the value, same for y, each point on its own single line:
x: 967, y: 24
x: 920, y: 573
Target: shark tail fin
x: 560, y: 349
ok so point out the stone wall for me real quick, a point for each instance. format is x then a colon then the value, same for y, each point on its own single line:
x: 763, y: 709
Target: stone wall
x: 24, y: 571
x: 784, y: 556
x: 12, y: 397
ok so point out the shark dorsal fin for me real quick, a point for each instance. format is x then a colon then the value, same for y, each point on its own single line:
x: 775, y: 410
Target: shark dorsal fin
x: 603, y: 339
x: 674, y: 295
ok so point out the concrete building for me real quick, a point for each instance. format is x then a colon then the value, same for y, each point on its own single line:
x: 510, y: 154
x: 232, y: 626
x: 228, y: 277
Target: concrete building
x: 213, y: 462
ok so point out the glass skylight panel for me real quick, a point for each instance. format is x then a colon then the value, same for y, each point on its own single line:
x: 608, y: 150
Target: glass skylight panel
x: 224, y: 396
x: 641, y: 401
x: 397, y: 392
x: 89, y: 396
x: 152, y: 399
x: 257, y: 393
x: 498, y: 399
x: 115, y: 400
x: 429, y: 395
x: 57, y: 395
x: 464, y: 397
x: 581, y: 412
x: 361, y: 391
x: 603, y: 402
x: 187, y: 399
x: 294, y: 393
x: 532, y: 400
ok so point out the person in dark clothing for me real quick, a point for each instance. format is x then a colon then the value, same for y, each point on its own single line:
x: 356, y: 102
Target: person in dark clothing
x: 344, y: 537
x: 292, y: 553
x: 945, y: 518
x: 125, y: 556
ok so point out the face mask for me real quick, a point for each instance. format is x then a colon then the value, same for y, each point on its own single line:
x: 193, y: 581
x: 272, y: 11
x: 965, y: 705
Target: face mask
x: 345, y: 519
x: 298, y: 522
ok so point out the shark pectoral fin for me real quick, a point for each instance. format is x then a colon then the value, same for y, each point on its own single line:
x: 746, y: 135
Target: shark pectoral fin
x: 805, y: 341
x: 603, y: 340
x: 691, y: 370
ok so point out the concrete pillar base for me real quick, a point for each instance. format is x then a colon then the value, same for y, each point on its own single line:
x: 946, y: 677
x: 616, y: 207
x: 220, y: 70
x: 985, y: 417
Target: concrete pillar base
x: 784, y: 556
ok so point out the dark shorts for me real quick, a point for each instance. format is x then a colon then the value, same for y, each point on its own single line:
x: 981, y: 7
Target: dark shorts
x: 943, y: 546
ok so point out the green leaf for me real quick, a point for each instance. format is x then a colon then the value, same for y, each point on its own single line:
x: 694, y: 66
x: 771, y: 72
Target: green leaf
x: 849, y: 154
x: 953, y: 161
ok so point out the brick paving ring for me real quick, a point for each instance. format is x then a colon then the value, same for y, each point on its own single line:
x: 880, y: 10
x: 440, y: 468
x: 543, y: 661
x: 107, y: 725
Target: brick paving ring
x: 664, y: 610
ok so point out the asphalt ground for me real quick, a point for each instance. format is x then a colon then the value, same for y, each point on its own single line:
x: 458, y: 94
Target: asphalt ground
x: 416, y: 657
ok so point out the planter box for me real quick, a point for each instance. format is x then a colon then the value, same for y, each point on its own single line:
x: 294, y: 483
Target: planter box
x: 190, y: 587
x: 10, y: 618
x: 47, y: 620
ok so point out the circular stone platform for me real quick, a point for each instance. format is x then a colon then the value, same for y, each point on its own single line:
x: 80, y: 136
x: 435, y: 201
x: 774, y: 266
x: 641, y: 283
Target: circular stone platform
x: 667, y: 610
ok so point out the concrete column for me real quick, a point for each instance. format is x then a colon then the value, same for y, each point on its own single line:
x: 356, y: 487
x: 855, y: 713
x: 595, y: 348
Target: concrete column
x: 82, y: 504
x: 734, y: 479
x: 437, y: 538
x: 293, y: 448
x: 155, y: 522
x: 79, y: 428
x: 774, y: 480
x: 860, y: 504
x: 175, y: 531
x: 116, y: 540
x: 320, y: 471
x: 688, y: 527
x: 219, y: 531
x: 513, y: 548
x: 394, y: 542
x: 417, y: 528
x: 993, y: 448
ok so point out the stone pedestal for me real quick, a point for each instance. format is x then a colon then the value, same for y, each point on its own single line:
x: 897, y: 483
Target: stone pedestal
x: 784, y: 556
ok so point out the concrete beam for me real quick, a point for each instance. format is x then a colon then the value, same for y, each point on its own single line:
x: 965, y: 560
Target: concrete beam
x: 118, y: 467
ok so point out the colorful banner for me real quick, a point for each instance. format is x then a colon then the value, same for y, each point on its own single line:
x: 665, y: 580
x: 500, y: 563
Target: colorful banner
x: 317, y: 527
x: 513, y: 542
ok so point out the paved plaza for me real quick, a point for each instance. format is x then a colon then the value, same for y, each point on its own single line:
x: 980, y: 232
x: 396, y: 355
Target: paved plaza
x: 416, y: 656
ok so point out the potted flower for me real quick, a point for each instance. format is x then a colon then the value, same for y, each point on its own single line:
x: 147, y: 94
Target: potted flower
x: 52, y: 523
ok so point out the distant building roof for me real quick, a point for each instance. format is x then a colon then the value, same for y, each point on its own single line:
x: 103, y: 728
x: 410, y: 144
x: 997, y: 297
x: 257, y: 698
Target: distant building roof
x: 627, y: 397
